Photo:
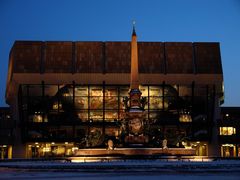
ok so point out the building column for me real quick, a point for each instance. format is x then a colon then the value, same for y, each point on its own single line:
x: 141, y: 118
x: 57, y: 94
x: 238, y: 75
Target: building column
x: 18, y: 149
x: 214, y: 147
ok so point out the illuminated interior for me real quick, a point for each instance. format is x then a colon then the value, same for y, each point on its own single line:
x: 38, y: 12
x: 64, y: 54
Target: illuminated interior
x: 228, y: 150
x: 90, y: 115
x: 227, y: 131
x: 53, y: 149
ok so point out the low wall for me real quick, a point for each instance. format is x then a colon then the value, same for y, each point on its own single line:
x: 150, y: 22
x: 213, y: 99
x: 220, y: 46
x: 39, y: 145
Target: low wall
x: 136, y: 151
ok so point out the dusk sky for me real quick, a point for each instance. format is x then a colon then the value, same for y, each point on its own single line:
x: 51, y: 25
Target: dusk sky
x: 111, y: 20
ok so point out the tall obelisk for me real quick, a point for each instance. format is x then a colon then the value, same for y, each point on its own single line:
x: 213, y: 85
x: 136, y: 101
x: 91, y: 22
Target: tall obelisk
x: 134, y: 60
x: 135, y: 93
x: 135, y: 113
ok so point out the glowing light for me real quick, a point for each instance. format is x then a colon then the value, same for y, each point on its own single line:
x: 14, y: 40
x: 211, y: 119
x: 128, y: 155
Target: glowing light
x: 74, y: 149
x: 46, y: 149
x: 36, y: 142
x: 229, y: 145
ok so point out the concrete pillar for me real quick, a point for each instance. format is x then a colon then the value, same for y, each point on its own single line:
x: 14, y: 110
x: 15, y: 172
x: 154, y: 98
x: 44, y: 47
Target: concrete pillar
x: 18, y: 149
x: 214, y: 147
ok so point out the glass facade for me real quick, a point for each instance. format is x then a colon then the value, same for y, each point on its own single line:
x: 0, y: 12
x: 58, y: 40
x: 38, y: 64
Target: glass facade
x: 90, y: 114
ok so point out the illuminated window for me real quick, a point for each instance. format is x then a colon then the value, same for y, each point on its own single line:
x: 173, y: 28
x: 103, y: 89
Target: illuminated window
x: 83, y: 115
x: 96, y: 91
x: 227, y: 131
x: 155, y: 103
x: 155, y: 91
x: 96, y: 115
x: 144, y: 90
x: 111, y: 102
x: 81, y: 91
x: 96, y: 102
x: 111, y: 115
x: 81, y: 102
x: 185, y: 116
x: 37, y: 118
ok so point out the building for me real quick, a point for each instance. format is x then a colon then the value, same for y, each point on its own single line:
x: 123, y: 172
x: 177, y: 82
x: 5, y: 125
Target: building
x: 66, y: 96
x: 6, y: 133
x: 229, y: 132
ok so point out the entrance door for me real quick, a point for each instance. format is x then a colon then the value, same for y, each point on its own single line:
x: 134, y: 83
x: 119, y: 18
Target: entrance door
x: 228, y: 150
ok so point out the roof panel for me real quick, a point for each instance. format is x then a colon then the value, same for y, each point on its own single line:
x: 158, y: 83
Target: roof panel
x: 207, y: 57
x: 179, y: 57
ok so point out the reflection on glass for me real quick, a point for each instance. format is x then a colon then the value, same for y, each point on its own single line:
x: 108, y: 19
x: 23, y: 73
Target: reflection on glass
x: 96, y: 91
x: 111, y: 102
x: 153, y: 115
x: 144, y: 90
x: 37, y: 118
x: 124, y: 91
x: 155, y: 91
x: 155, y: 103
x: 111, y: 115
x: 81, y: 91
x: 50, y: 90
x: 81, y: 102
x: 96, y: 102
x: 56, y: 106
x: 111, y: 91
x: 185, y: 118
x: 111, y: 131
x: 185, y: 90
x: 146, y: 105
x: 96, y: 115
x: 83, y: 115
x: 121, y: 114
x: 121, y: 106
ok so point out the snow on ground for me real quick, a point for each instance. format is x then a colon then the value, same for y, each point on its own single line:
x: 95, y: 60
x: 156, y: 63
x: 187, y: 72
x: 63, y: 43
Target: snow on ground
x: 134, y: 169
x: 24, y: 175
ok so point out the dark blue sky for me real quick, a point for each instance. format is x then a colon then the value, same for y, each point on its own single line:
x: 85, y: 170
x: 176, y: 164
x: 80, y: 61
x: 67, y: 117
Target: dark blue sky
x: 111, y: 20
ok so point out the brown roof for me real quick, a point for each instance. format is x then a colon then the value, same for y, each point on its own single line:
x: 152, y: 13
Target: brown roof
x: 114, y: 57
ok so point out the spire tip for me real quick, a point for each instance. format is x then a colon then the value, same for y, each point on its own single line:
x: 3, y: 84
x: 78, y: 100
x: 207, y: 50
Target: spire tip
x: 134, y: 31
